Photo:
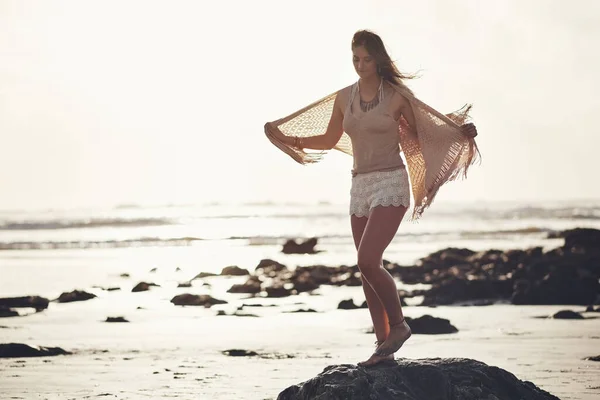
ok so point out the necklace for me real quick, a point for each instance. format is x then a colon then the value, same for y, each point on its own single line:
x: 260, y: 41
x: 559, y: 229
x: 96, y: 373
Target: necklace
x: 369, y: 105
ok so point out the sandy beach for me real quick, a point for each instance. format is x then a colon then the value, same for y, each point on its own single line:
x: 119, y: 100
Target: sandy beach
x: 167, y: 351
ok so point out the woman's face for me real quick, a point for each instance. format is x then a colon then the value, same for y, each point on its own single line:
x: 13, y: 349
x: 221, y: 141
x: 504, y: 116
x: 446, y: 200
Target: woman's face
x: 364, y: 63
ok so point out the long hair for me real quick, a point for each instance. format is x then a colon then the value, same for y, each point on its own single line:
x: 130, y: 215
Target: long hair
x: 385, y: 66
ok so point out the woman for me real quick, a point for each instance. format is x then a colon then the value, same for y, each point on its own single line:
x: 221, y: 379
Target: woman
x: 378, y: 115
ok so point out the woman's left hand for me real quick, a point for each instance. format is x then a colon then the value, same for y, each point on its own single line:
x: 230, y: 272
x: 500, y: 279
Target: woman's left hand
x: 469, y: 129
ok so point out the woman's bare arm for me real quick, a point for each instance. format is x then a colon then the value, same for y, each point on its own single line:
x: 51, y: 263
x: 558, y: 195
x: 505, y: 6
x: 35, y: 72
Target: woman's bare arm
x: 334, y: 129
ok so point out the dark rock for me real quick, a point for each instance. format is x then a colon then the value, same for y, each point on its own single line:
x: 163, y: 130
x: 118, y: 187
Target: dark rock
x: 581, y: 239
x: 240, y: 353
x: 153, y: 270
x: 7, y: 312
x: 593, y: 358
x: 320, y: 274
x: 202, y: 275
x: 522, y: 292
x: 491, y: 256
x: 278, y: 290
x: 451, y: 379
x: 567, y: 314
x: 184, y: 285
x: 309, y: 278
x: 204, y: 300
x: 445, y: 258
x: 75, y: 295
x: 252, y: 286
x: 234, y: 271
x: 14, y: 350
x: 259, y: 305
x: 305, y: 283
x: 115, y: 319
x: 560, y: 285
x: 221, y: 313
x: 412, y: 275
x: 301, y: 310
x: 125, y: 275
x: 348, y: 305
x: 305, y: 247
x: 428, y: 325
x: 456, y: 290
x: 37, y: 302
x: 270, y: 268
x: 534, y: 252
x: 347, y: 279
x: 405, y: 294
x: 142, y: 287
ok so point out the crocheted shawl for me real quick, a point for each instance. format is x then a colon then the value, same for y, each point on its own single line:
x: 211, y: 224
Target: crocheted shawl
x: 436, y: 151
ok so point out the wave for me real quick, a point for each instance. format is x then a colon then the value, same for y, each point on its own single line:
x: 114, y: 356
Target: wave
x: 517, y: 214
x: 78, y: 224
x: 105, y: 244
x: 544, y: 232
x: 275, y: 240
x: 258, y: 240
x: 586, y: 213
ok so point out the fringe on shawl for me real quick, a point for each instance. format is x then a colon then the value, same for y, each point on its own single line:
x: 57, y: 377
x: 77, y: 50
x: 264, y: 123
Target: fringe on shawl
x: 456, y: 164
x: 473, y: 156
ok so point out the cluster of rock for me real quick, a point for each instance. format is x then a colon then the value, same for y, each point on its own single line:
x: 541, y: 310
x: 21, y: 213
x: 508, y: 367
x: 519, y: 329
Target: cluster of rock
x: 565, y: 275
x: 274, y: 279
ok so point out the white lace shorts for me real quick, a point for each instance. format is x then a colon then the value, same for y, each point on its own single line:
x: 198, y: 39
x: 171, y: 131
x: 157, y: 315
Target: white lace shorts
x: 379, y: 188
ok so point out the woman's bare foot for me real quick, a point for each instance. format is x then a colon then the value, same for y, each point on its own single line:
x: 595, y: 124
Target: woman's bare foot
x: 399, y: 333
x: 375, y: 359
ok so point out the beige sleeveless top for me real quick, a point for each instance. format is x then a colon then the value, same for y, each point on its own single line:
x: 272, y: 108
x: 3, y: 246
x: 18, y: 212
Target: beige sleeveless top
x: 374, y: 134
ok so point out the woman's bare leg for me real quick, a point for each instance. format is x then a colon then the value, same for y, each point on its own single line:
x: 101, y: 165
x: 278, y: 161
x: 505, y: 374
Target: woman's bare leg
x: 380, y: 229
x: 381, y: 323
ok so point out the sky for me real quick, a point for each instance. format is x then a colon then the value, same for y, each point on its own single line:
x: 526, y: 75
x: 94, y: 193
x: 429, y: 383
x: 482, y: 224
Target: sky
x: 161, y: 102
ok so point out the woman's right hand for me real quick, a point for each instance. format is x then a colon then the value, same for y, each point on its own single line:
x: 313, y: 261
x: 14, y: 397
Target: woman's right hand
x: 277, y: 133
